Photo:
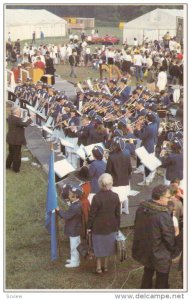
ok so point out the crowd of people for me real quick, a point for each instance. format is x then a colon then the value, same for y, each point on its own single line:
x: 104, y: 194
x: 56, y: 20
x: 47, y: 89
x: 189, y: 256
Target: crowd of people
x: 148, y: 60
x: 116, y: 119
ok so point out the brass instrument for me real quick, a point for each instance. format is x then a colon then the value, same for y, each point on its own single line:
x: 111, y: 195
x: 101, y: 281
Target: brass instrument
x: 80, y: 87
x: 140, y: 94
x: 109, y: 116
x: 106, y: 88
x: 51, y: 109
x: 127, y: 140
x: 140, y: 121
x: 97, y: 88
x: 89, y: 83
x: 59, y: 123
x: 166, y: 149
x: 87, y: 106
x: 118, y: 92
x: 128, y: 105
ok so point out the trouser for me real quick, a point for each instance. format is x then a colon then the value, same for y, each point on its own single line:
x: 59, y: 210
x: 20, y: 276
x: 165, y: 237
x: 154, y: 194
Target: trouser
x: 138, y: 162
x: 161, y: 279
x: 74, y: 254
x: 149, y: 175
x: 138, y: 72
x: 71, y: 155
x: 73, y: 73
x: 123, y: 192
x: 14, y: 157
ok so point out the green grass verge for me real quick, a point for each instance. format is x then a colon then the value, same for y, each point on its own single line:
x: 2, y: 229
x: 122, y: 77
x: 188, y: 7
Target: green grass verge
x: 102, y: 30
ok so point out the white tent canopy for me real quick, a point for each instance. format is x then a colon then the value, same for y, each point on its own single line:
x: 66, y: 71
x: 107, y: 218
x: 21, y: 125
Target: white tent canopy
x: 152, y: 25
x: 22, y: 22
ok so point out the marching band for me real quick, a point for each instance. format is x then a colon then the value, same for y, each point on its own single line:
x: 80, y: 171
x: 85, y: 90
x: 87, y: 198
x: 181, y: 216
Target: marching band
x: 103, y: 111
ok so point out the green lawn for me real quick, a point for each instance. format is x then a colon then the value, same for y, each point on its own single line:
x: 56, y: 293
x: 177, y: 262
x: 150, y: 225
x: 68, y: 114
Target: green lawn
x: 28, y: 263
x: 113, y: 31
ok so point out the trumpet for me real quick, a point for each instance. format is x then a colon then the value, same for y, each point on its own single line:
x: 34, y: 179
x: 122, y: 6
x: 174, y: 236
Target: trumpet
x: 128, y: 105
x: 65, y: 123
x: 140, y: 121
x: 89, y: 83
x: 80, y: 87
x: 51, y: 109
x: 140, y: 94
x: 128, y: 140
x: 106, y: 88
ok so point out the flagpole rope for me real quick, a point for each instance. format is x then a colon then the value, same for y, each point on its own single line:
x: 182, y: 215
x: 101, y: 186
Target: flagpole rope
x: 134, y: 270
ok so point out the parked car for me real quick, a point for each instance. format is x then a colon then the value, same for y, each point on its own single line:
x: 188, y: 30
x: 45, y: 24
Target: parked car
x: 110, y: 40
x: 106, y: 40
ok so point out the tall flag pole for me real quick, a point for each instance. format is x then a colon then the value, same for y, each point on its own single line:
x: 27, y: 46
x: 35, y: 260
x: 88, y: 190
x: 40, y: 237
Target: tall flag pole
x: 51, y: 205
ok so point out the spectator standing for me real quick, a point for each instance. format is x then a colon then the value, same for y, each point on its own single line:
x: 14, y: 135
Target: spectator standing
x: 162, y: 79
x: 9, y: 37
x: 154, y: 238
x: 138, y: 61
x: 41, y: 37
x: 83, y: 175
x: 104, y: 222
x: 33, y: 37
x: 151, y: 79
x: 72, y: 62
x: 87, y: 55
x: 96, y: 168
x: 16, y: 138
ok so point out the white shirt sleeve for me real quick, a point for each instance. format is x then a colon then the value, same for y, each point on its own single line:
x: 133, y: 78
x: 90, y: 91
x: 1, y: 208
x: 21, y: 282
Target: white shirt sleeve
x: 175, y: 221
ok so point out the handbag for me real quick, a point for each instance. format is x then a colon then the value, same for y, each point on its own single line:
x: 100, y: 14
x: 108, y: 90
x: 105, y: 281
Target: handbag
x: 121, y: 246
x: 85, y: 247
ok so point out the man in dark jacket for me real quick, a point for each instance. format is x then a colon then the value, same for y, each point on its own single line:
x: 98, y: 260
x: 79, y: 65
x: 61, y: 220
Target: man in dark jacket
x: 16, y: 138
x: 148, y: 134
x: 72, y: 62
x: 49, y: 66
x: 154, y: 238
x: 173, y: 162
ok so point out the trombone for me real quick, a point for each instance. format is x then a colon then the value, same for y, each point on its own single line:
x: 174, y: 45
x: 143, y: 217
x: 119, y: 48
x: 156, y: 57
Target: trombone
x: 140, y: 119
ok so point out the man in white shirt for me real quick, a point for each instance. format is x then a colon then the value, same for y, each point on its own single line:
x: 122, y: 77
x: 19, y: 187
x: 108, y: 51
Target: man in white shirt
x: 87, y: 55
x: 138, y: 61
x: 75, y: 38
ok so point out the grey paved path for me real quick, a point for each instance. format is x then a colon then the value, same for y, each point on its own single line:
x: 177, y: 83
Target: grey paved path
x: 40, y: 149
x: 65, y: 86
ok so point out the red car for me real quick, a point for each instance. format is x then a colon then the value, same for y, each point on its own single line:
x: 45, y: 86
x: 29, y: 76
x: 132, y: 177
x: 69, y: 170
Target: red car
x: 95, y: 40
x: 110, y: 40
x: 106, y: 40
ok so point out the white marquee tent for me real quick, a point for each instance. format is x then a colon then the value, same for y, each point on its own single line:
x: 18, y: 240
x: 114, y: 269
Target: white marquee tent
x: 152, y: 25
x: 22, y: 22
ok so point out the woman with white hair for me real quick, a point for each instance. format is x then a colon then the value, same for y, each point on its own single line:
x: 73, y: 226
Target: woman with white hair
x: 104, y: 222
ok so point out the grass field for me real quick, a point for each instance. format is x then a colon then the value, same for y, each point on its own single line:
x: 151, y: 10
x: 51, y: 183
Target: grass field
x: 113, y: 31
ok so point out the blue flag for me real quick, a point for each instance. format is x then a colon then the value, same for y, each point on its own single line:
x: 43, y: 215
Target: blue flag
x: 51, y: 204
